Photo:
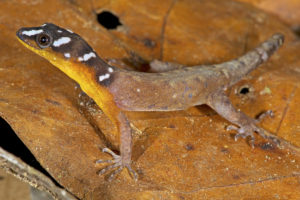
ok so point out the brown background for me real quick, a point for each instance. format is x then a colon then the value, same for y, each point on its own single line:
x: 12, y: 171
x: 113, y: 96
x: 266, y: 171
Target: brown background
x: 178, y: 155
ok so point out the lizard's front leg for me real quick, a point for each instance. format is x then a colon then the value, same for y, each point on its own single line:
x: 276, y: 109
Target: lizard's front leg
x: 247, y: 126
x: 119, y: 162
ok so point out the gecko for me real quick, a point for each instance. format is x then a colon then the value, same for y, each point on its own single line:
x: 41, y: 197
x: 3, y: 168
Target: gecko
x: 116, y: 90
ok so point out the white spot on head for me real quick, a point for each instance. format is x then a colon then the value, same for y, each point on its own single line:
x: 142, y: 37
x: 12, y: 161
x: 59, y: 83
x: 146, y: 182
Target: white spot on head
x: 69, y: 31
x: 110, y: 70
x: 87, y: 56
x: 138, y: 90
x: 103, y: 77
x: 67, y: 55
x: 59, y: 31
x: 61, y: 41
x: 32, y: 32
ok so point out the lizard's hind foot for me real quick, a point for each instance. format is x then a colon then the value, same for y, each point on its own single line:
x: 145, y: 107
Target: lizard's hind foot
x: 248, y: 129
x: 116, y: 165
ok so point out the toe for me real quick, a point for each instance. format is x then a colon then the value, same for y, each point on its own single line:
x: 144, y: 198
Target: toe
x: 237, y: 136
x: 261, y: 132
x: 231, y: 127
x: 104, y: 161
x: 131, y: 171
x: 263, y: 115
x: 114, y: 173
x: 109, y: 167
x: 107, y: 150
x: 252, y: 141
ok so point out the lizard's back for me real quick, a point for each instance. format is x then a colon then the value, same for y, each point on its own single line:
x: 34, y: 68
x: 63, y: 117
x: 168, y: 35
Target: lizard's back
x: 186, y: 87
x: 167, y: 91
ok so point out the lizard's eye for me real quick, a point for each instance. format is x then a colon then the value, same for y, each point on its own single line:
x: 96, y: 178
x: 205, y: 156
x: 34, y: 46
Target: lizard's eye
x: 44, y: 40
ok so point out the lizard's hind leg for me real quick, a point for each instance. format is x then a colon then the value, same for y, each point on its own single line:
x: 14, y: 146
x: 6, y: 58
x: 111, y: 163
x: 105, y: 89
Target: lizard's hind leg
x: 246, y: 125
x: 119, y: 162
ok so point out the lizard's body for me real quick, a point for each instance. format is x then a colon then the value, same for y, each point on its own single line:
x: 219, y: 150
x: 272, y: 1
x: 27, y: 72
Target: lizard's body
x: 116, y: 90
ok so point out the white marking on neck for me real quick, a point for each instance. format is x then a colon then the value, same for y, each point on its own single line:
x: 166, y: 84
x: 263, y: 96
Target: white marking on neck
x: 32, y: 32
x: 61, y: 41
x: 67, y: 55
x: 110, y: 70
x: 87, y: 56
x: 103, y: 77
x: 43, y: 25
x: 59, y: 31
x: 69, y: 30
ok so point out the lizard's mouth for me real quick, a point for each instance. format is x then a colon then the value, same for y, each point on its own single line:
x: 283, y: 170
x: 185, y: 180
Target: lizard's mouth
x: 19, y: 33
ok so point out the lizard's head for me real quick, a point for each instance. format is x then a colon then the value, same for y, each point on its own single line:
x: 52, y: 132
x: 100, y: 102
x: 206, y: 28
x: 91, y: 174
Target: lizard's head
x: 55, y: 43
x: 63, y: 48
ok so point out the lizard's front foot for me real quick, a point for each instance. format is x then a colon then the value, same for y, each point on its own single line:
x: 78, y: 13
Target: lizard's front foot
x: 247, y: 129
x: 117, y: 164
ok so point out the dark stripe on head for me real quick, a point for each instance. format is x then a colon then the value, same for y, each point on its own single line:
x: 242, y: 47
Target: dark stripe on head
x: 70, y: 45
x: 63, y: 41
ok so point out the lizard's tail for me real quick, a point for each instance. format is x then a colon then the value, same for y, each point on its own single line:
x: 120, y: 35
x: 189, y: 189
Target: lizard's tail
x: 236, y: 69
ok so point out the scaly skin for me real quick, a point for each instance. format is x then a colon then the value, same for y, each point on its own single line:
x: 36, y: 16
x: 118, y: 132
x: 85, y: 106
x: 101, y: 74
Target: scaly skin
x: 175, y: 87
